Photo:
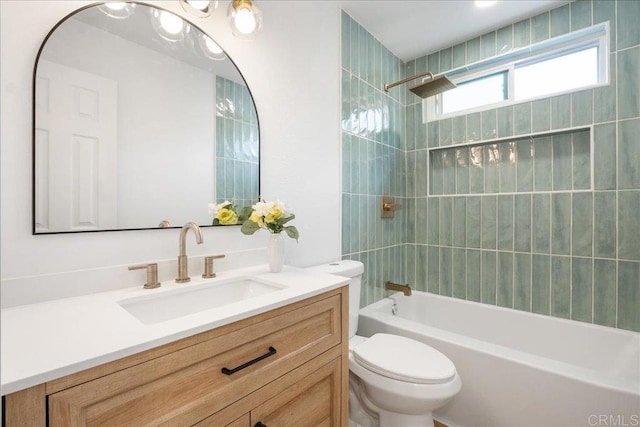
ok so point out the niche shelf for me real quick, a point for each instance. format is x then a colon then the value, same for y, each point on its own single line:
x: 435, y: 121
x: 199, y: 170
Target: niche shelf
x: 552, y: 161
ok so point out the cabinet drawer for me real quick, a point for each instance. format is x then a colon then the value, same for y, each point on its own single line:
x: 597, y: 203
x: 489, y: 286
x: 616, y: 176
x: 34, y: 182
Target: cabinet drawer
x: 310, y: 395
x: 186, y: 386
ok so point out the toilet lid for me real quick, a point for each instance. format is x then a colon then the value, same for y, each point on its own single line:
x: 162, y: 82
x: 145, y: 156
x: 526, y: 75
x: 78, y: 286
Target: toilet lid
x: 404, y: 359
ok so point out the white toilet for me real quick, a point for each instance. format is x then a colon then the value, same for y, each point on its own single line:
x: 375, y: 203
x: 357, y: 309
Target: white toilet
x: 394, y: 381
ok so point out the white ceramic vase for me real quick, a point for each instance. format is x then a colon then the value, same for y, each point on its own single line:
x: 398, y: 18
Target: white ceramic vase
x: 275, y: 252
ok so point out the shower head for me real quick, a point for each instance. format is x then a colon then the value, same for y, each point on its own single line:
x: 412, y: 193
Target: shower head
x: 430, y: 87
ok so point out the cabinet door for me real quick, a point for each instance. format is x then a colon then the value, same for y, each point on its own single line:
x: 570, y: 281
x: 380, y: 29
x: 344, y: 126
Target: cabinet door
x: 312, y: 401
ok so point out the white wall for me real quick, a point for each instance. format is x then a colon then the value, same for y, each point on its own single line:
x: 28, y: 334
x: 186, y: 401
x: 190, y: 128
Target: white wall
x: 293, y: 72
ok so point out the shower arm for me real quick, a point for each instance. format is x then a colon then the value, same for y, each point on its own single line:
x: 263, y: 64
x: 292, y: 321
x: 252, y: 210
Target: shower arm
x: 388, y: 86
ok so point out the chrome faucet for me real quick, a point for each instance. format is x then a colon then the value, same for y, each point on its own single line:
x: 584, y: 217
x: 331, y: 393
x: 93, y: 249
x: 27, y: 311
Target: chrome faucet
x: 183, y: 262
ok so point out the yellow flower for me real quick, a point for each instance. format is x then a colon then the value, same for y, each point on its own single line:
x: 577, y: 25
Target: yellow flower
x: 273, y: 216
x: 256, y: 218
x: 227, y: 217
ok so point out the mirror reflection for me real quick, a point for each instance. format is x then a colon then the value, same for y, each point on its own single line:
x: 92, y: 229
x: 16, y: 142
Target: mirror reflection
x: 140, y: 121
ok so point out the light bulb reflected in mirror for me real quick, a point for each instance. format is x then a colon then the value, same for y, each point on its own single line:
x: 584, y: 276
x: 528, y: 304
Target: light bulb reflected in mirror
x: 210, y: 48
x: 171, y: 23
x: 115, y: 6
x: 117, y: 9
x: 169, y: 26
x: 485, y: 3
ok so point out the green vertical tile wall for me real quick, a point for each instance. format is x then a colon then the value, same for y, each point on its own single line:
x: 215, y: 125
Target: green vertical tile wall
x: 580, y: 14
x: 628, y: 294
x: 560, y: 22
x: 545, y: 223
x: 541, y: 223
x: 540, y: 284
x: 540, y: 27
x: 629, y: 153
x: 628, y: 30
x: 561, y: 287
x: 460, y: 274
x: 504, y: 41
x: 375, y: 137
x: 237, y: 144
x: 604, y: 292
x: 489, y: 276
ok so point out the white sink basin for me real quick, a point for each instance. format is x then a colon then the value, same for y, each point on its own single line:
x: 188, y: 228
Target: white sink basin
x: 181, y: 302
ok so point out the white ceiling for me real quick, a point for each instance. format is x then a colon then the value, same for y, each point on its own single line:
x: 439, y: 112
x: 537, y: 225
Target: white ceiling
x: 413, y: 28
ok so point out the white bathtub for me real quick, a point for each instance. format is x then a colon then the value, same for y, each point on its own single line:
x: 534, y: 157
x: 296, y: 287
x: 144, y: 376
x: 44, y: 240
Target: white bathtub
x: 517, y: 368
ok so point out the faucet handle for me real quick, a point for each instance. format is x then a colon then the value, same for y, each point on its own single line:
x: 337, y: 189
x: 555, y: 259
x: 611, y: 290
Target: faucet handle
x: 152, y: 274
x: 208, y: 266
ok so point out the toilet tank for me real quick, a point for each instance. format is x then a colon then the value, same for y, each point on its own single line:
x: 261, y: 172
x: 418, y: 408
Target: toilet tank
x: 353, y: 270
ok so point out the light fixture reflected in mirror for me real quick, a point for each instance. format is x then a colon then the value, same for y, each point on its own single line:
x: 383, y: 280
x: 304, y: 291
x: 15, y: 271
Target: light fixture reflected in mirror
x: 485, y: 3
x: 169, y: 26
x: 246, y: 18
x: 200, y: 8
x: 210, y: 48
x: 117, y: 9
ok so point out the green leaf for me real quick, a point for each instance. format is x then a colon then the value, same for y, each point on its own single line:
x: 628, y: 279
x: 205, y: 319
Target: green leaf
x: 292, y: 232
x: 249, y: 227
x: 287, y: 219
x: 245, y: 213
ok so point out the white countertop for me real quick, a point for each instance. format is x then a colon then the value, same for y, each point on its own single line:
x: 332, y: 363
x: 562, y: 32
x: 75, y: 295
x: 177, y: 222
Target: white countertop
x: 45, y: 341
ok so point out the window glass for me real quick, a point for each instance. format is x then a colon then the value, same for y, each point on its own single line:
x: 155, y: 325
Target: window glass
x: 477, y: 92
x: 559, y: 74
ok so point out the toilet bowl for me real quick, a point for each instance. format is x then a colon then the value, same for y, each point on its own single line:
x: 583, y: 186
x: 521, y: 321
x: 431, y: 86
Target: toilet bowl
x: 402, y: 380
x: 394, y: 381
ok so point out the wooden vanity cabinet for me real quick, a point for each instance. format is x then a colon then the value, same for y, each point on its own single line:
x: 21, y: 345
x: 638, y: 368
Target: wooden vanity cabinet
x: 286, y: 367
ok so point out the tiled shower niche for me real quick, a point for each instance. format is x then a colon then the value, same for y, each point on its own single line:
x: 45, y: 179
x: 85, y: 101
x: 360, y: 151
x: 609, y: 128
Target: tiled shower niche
x: 550, y: 162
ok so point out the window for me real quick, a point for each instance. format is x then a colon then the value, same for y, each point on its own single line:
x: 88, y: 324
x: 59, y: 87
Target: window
x: 568, y: 63
x: 567, y: 71
x: 477, y: 92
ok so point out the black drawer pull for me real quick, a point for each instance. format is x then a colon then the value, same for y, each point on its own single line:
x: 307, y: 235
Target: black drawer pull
x: 228, y: 371
x: 259, y: 424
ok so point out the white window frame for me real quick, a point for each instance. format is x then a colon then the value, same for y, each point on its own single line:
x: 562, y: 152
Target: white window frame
x: 594, y: 36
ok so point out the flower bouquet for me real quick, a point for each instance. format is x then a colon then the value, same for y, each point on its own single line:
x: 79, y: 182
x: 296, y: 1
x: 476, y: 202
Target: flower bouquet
x: 272, y: 216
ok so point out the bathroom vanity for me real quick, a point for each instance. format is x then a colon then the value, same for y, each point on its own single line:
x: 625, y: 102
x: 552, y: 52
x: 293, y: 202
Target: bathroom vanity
x: 285, y: 365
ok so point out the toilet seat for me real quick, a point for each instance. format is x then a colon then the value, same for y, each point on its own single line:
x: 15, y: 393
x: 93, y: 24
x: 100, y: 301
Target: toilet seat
x: 404, y: 359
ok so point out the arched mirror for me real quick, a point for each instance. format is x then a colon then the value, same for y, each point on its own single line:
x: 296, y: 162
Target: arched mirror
x: 140, y: 121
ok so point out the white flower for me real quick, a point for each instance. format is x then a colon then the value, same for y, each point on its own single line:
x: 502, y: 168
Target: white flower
x: 282, y: 207
x: 214, y: 209
x: 263, y: 208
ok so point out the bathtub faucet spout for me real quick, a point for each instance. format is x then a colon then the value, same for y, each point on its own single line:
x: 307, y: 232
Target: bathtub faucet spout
x: 405, y: 289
